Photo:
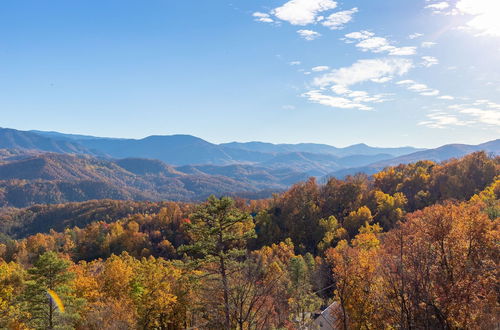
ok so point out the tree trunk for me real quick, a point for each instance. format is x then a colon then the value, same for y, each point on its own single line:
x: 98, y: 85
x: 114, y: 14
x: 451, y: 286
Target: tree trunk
x: 226, y: 291
x: 51, y: 313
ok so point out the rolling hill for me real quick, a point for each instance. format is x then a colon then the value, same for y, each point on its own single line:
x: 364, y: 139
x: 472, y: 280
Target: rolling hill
x: 59, y: 178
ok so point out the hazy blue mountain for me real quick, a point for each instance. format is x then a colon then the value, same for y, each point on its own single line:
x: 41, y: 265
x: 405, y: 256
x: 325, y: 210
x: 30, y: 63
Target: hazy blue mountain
x: 357, y: 149
x: 282, y: 148
x: 23, y: 140
x: 172, y: 149
x: 63, y: 136
x: 437, y: 155
x: 357, y: 160
x: 285, y: 176
x: 183, y: 150
x: 363, y: 149
x: 315, y: 159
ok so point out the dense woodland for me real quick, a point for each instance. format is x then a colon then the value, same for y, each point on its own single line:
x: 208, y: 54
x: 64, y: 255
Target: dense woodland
x: 413, y: 247
x: 48, y: 178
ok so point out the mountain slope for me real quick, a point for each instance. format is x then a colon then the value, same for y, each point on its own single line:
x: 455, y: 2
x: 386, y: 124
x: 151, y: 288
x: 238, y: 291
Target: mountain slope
x: 22, y: 140
x: 437, y: 155
x: 59, y: 178
x: 315, y: 159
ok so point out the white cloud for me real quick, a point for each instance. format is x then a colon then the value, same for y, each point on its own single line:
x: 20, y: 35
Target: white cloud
x: 302, y: 12
x: 367, y: 41
x: 489, y: 117
x: 427, y: 44
x: 482, y: 113
x: 309, y: 34
x: 338, y: 81
x: 446, y: 97
x: 485, y: 14
x: 375, y: 44
x: 365, y: 70
x: 403, y: 51
x: 432, y: 92
x: 429, y: 61
x: 419, y: 88
x: 320, y: 68
x: 441, y: 120
x: 294, y: 63
x: 381, y: 80
x: 488, y: 104
x: 405, y: 82
x: 262, y: 17
x: 340, y: 89
x: 360, y: 35
x: 336, y: 21
x: 415, y: 35
x: 319, y: 97
x: 439, y: 6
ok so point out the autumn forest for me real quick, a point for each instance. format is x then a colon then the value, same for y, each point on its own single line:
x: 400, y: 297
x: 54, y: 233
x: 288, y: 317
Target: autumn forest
x: 412, y: 247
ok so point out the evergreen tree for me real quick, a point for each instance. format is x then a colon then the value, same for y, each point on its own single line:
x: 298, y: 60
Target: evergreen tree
x: 219, y: 233
x: 50, y: 273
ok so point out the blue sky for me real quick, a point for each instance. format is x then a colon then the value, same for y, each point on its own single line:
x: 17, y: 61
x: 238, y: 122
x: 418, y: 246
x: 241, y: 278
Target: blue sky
x: 386, y: 73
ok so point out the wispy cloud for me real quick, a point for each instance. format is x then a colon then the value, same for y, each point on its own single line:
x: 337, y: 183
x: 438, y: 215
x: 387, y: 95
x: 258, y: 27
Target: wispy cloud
x: 365, y: 70
x: 336, y: 21
x: 446, y: 97
x: 367, y: 41
x: 320, y: 68
x: 441, y: 120
x: 427, y: 44
x: 338, y: 82
x: 485, y: 116
x: 318, y: 96
x: 309, y: 34
x: 415, y: 35
x: 482, y: 113
x: 419, y: 88
x: 262, y: 17
x: 360, y: 35
x: 438, y: 6
x: 429, y: 61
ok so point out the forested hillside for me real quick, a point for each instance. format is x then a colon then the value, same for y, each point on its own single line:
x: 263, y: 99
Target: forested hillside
x: 413, y: 247
x: 51, y: 178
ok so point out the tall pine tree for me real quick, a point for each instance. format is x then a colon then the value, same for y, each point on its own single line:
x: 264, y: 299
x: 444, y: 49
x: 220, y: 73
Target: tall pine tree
x: 50, y: 272
x: 219, y: 233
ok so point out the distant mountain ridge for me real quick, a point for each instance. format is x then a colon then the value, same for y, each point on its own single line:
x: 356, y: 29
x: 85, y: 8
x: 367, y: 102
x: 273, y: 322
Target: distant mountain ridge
x: 356, y: 149
x: 22, y: 140
x: 437, y: 155
x: 224, y: 152
x: 180, y: 150
x: 186, y: 150
x: 51, y: 167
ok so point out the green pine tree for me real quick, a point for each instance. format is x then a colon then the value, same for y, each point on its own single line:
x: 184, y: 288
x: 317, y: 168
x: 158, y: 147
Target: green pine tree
x: 50, y: 272
x: 219, y: 232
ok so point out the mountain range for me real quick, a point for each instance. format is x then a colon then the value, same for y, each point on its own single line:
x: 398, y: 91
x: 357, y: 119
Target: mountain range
x: 52, y: 167
x: 180, y: 150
